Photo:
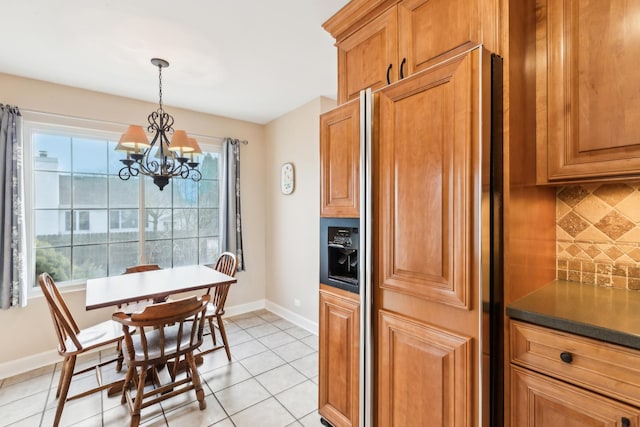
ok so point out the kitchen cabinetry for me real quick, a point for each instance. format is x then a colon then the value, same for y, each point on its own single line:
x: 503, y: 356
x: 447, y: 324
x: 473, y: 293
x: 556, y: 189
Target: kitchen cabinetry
x: 588, y: 93
x: 558, y: 378
x: 339, y: 355
x: 407, y: 37
x: 340, y: 161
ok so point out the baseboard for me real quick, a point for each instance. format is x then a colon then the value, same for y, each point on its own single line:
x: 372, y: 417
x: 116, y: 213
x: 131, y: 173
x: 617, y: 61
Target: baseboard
x: 28, y: 363
x: 292, y: 317
x: 35, y: 361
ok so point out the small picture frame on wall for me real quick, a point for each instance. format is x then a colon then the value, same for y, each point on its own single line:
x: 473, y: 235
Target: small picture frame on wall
x: 287, y: 178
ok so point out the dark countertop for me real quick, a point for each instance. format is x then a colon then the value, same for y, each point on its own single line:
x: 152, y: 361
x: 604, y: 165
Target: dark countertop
x: 606, y: 314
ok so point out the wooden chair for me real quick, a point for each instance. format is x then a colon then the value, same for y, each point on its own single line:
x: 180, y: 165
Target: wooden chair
x: 164, y: 332
x: 227, y: 264
x: 73, y: 342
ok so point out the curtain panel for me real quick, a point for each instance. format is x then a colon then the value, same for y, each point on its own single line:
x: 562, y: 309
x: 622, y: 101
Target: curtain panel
x: 231, y: 234
x: 13, y: 288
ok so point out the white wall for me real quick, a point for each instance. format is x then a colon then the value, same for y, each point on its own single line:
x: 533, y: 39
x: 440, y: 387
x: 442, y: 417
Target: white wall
x: 292, y: 251
x: 27, y: 331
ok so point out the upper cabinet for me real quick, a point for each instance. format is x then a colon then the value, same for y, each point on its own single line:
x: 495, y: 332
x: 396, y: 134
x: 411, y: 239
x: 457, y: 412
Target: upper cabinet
x: 588, y: 91
x: 402, y: 38
x: 340, y: 161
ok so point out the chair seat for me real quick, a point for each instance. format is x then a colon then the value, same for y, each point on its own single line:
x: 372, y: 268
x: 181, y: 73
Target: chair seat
x: 153, y: 343
x: 94, y: 337
x: 211, y: 309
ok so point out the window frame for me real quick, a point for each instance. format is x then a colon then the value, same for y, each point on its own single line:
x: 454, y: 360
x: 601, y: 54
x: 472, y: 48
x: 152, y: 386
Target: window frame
x: 92, y: 129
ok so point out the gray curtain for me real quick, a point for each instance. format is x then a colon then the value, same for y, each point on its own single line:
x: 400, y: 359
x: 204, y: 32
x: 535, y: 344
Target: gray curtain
x: 13, y: 288
x: 231, y: 235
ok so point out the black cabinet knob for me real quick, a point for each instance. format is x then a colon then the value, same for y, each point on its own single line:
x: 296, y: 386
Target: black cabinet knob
x: 389, y: 71
x: 625, y: 422
x: 566, y: 357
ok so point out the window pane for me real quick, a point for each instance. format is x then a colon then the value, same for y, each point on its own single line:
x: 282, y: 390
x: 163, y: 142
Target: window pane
x: 209, y: 222
x: 185, y: 252
x: 52, y: 190
x: 153, y: 197
x: 209, y: 193
x: 89, y: 191
x: 89, y: 261
x: 158, y: 224
x: 123, y: 255
x: 185, y: 193
x: 50, y: 228
x: 89, y: 155
x: 124, y: 194
x: 51, y: 152
x: 91, y: 227
x: 159, y: 252
x: 55, y: 261
x: 209, y: 165
x: 185, y: 223
x: 209, y: 250
x: 123, y: 225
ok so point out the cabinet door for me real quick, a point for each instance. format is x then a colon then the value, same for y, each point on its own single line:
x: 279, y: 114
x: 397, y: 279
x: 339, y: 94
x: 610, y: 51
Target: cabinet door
x: 368, y: 56
x: 425, y: 176
x: 588, y: 93
x: 430, y: 29
x: 539, y: 401
x: 339, y: 358
x: 340, y: 161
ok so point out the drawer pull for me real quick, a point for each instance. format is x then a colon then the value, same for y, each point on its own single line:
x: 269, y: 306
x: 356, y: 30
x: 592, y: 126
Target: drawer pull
x: 626, y: 422
x: 389, y: 71
x: 566, y: 357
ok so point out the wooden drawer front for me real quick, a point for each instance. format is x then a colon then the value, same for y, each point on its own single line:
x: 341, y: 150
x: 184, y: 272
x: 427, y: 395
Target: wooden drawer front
x: 539, y: 401
x: 608, y: 369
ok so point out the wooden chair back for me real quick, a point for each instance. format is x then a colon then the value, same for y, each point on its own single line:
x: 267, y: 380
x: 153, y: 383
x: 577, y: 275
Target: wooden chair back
x: 63, y: 322
x: 140, y: 268
x: 163, y: 331
x: 226, y: 264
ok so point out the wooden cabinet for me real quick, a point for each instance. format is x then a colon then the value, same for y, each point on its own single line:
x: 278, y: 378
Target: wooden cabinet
x: 340, y: 161
x: 339, y: 355
x: 588, y: 93
x: 407, y: 37
x: 559, y: 378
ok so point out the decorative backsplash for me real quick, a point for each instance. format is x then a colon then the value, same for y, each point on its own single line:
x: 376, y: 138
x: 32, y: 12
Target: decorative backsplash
x: 598, y: 234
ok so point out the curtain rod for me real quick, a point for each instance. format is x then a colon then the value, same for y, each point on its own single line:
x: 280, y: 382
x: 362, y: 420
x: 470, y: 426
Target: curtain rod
x: 27, y: 110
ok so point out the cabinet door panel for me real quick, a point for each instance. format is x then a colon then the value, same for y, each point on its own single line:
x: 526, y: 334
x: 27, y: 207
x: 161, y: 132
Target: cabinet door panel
x: 588, y: 94
x: 365, y: 56
x: 429, y: 29
x: 423, y: 376
x: 339, y: 359
x: 539, y: 401
x: 340, y: 162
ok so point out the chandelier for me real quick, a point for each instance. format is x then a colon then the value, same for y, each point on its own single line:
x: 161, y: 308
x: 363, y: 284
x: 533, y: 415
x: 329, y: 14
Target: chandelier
x: 161, y: 159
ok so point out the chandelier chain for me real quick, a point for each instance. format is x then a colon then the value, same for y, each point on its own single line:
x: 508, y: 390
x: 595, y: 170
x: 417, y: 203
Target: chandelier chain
x: 160, y: 86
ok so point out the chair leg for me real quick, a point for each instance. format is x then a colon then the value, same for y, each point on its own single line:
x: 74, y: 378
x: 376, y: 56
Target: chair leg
x: 137, y: 402
x: 195, y: 379
x: 63, y: 387
x: 213, y: 330
x: 223, y: 334
x: 127, y: 383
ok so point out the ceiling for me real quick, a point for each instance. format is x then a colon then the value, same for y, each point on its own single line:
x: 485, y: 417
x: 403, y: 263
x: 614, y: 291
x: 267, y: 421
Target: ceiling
x: 251, y: 60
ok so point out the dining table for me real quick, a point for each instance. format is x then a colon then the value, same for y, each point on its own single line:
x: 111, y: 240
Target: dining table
x: 155, y: 285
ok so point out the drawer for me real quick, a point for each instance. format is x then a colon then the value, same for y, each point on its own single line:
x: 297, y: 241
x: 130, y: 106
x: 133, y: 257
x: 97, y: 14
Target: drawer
x: 608, y: 369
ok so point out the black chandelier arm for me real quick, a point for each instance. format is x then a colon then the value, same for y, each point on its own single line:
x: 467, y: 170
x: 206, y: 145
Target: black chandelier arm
x: 127, y: 172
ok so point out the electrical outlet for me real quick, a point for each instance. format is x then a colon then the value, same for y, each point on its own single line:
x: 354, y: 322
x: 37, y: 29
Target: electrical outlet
x: 296, y: 302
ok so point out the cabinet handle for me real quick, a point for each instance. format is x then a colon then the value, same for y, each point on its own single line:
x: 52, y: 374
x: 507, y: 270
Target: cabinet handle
x: 626, y: 422
x: 566, y: 357
x: 404, y: 61
x: 388, y: 72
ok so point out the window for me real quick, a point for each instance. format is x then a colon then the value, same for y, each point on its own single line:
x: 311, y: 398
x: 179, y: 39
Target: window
x: 87, y: 222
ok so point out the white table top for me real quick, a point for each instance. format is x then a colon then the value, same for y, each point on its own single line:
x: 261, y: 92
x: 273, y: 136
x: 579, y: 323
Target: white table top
x: 126, y: 288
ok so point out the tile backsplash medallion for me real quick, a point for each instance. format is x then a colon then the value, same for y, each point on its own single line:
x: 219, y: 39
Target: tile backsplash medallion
x: 598, y: 234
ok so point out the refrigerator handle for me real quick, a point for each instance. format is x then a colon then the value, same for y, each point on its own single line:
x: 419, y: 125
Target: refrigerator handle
x: 366, y: 291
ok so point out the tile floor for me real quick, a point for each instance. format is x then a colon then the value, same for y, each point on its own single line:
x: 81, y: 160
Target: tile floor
x: 271, y: 381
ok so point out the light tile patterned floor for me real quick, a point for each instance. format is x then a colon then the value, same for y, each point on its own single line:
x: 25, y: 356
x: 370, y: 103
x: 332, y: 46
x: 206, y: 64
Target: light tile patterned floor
x: 272, y: 381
